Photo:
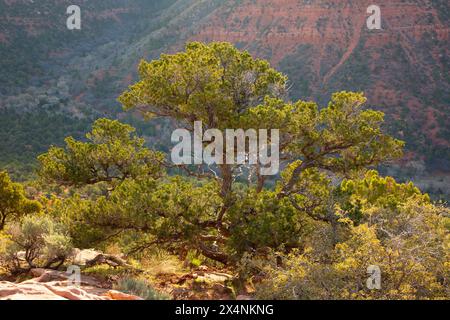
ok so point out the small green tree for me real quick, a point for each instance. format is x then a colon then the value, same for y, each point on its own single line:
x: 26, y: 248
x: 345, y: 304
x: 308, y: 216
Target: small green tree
x: 13, y: 202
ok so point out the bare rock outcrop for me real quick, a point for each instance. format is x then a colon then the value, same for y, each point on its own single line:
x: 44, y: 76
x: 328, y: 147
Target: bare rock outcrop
x: 56, y: 285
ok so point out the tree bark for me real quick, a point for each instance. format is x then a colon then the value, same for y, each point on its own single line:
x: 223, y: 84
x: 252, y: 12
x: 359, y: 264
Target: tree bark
x: 2, y: 220
x: 214, y: 255
x: 294, y: 178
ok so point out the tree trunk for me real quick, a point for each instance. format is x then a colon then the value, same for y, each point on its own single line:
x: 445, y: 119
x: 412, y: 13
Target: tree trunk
x: 213, y: 255
x: 227, y: 180
x: 294, y: 179
x: 2, y: 220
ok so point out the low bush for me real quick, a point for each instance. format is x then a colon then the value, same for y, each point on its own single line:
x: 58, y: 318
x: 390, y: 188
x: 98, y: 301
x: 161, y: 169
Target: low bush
x: 139, y: 288
x: 36, y: 242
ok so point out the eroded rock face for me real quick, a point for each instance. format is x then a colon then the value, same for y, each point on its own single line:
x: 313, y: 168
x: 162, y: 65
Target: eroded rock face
x: 325, y: 46
x: 31, y: 290
x: 55, y: 285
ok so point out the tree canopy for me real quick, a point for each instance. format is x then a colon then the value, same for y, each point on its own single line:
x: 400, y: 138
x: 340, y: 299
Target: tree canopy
x: 112, y: 153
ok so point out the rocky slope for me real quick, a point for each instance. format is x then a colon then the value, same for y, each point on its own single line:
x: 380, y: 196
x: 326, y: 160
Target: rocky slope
x: 54, y: 285
x: 325, y: 46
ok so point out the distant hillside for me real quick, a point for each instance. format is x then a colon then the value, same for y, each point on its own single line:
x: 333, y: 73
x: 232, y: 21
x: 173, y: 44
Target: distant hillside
x: 323, y: 46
